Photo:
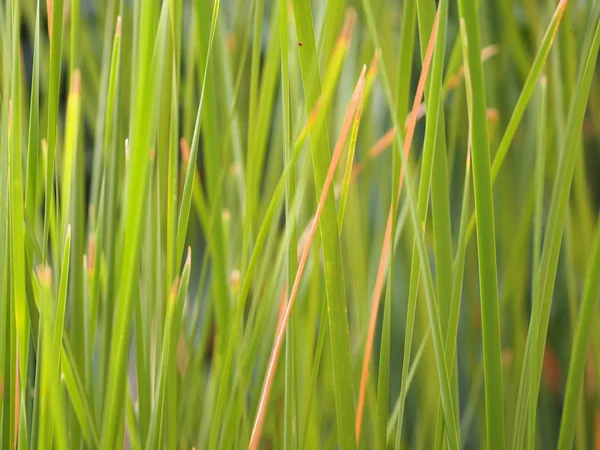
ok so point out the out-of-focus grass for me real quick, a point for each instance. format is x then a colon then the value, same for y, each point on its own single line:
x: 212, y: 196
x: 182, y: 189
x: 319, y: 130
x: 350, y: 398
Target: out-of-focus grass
x: 186, y: 262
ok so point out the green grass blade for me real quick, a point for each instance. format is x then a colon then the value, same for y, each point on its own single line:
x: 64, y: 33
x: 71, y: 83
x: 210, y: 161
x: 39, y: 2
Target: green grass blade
x: 527, y: 92
x: 33, y: 144
x: 184, y: 211
x: 432, y: 309
x: 336, y: 298
x: 55, y: 32
x: 76, y: 391
x: 486, y: 234
x: 150, y: 58
x: 538, y: 328
x: 430, y: 150
x: 581, y: 343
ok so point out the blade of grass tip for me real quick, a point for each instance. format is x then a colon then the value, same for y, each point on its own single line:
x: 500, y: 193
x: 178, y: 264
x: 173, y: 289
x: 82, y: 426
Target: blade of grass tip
x: 269, y: 376
x: 172, y: 327
x: 535, y: 72
x: 486, y: 234
x: 351, y: 149
x: 383, y: 259
x: 432, y: 308
x: 353, y: 170
x: 171, y: 386
x: 581, y: 345
x: 186, y: 199
x: 540, y: 316
x: 70, y: 146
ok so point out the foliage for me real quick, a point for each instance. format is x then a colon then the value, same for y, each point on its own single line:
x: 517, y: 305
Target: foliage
x: 299, y: 224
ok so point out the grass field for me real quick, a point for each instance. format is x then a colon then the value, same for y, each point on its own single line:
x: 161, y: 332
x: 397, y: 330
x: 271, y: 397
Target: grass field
x: 299, y: 224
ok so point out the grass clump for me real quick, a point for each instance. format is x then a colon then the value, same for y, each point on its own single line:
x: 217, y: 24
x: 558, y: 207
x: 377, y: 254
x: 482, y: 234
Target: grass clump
x: 299, y: 224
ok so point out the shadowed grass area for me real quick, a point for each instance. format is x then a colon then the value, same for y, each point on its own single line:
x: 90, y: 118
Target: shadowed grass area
x: 299, y: 224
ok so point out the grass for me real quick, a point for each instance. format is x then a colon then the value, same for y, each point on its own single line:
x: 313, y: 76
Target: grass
x: 249, y: 224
